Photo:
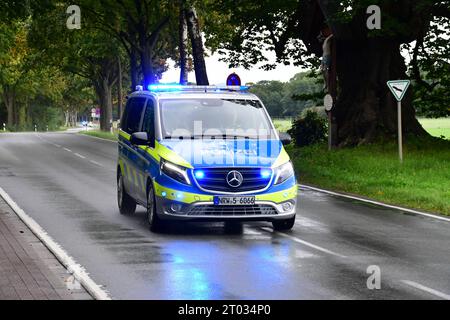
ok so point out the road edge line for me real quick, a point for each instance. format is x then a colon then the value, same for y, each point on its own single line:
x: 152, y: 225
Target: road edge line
x: 381, y: 204
x: 426, y: 289
x: 67, y: 261
x: 86, y: 135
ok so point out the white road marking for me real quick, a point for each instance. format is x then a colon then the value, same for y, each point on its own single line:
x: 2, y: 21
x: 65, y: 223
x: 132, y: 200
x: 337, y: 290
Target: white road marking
x: 96, y: 163
x: 427, y: 289
x: 80, y: 156
x: 69, y: 263
x: 57, y: 145
x: 86, y: 135
x: 252, y: 232
x: 68, y: 150
x: 381, y: 204
x: 306, y: 243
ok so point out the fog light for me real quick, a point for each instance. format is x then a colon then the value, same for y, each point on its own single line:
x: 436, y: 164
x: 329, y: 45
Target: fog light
x: 176, y: 207
x: 287, y: 206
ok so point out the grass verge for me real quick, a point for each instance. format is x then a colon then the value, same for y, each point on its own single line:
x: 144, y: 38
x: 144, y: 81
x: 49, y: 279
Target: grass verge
x: 374, y: 171
x: 100, y: 134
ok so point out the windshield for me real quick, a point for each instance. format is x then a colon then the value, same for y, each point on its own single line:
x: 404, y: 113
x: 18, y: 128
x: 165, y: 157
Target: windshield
x: 214, y: 118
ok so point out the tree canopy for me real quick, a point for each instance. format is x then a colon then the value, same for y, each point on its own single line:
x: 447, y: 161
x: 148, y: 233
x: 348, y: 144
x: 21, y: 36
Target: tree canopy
x: 123, y: 43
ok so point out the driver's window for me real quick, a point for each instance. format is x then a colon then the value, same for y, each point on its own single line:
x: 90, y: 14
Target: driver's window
x: 148, y: 124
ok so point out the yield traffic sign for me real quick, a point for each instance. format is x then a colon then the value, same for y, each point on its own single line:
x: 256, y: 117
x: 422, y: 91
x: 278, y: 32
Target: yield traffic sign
x: 398, y: 88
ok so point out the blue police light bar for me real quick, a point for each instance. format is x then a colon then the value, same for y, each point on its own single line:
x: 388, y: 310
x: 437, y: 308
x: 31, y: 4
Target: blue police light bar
x: 165, y: 87
x: 179, y: 87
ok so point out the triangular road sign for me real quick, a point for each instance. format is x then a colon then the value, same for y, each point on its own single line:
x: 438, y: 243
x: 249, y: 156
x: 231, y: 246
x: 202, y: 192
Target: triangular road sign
x: 398, y: 88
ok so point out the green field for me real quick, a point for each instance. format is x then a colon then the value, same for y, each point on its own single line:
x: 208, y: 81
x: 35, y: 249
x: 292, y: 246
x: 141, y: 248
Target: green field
x: 436, y: 127
x: 374, y: 171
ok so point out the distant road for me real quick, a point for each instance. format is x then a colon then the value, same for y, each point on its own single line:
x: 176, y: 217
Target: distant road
x: 66, y: 182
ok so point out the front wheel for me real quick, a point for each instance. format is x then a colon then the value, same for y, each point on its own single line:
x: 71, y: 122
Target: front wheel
x: 127, y: 205
x: 154, y: 221
x: 283, y: 225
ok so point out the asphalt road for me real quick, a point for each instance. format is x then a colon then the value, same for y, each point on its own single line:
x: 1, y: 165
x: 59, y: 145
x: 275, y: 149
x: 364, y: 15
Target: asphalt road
x: 66, y: 182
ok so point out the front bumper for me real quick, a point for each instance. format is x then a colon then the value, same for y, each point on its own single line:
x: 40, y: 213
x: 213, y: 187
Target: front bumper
x: 193, y: 203
x: 207, y: 211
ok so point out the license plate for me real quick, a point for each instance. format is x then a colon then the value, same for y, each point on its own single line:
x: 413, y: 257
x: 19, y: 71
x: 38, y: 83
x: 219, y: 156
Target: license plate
x: 234, y: 201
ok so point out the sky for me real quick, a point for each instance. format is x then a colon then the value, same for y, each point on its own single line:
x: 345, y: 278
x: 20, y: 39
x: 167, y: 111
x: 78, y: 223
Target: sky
x: 218, y: 72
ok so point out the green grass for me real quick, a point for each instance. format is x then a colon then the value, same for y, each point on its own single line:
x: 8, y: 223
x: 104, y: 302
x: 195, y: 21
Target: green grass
x: 436, y: 127
x: 100, y: 134
x: 374, y: 171
x: 282, y: 124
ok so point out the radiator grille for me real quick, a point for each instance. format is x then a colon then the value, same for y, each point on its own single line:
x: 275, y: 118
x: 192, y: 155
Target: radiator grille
x: 212, y: 210
x: 215, y: 179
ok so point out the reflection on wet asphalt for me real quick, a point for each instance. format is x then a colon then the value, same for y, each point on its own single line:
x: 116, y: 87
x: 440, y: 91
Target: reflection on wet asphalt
x: 74, y: 200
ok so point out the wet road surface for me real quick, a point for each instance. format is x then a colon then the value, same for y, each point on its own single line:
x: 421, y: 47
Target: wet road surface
x: 66, y: 182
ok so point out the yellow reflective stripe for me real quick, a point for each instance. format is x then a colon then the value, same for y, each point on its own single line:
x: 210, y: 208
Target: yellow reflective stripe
x: 279, y: 196
x: 160, y: 151
x: 121, y: 166
x: 171, y: 155
x: 283, y: 157
x: 152, y: 152
x: 187, y: 197
x: 143, y: 186
x: 124, y: 134
x: 136, y: 182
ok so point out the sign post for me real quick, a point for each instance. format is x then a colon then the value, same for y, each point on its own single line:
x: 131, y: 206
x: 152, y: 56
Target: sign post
x: 328, y: 104
x: 398, y: 89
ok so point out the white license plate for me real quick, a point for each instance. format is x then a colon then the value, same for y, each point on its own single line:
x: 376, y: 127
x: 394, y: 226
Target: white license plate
x: 234, y: 201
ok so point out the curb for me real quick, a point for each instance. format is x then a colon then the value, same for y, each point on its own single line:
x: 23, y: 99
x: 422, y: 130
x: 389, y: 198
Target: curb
x: 61, y: 255
x: 381, y: 204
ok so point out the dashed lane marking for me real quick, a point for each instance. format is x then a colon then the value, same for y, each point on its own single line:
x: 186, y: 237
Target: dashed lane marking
x: 306, y: 243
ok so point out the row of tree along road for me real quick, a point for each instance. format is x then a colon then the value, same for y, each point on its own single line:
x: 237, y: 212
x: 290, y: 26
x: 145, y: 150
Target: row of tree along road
x: 47, y: 68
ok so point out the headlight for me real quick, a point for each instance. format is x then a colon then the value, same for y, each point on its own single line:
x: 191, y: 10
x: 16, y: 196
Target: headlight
x: 175, y: 172
x: 284, y: 172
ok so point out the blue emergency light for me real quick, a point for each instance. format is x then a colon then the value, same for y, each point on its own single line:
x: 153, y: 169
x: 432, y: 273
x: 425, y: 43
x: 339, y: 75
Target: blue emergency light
x: 266, y: 173
x: 179, y: 87
x: 199, y: 174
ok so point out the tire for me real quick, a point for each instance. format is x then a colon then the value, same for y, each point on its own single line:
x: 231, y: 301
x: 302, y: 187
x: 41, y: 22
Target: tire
x: 154, y: 221
x: 283, y: 225
x: 127, y: 205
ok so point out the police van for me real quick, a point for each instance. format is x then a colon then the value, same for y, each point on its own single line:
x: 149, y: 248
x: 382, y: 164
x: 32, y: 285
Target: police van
x: 203, y: 153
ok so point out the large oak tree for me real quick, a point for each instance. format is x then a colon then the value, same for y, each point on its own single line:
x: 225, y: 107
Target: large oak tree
x: 365, y: 59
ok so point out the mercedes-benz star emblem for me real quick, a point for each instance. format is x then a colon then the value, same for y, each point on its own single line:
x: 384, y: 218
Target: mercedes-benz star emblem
x: 234, y: 178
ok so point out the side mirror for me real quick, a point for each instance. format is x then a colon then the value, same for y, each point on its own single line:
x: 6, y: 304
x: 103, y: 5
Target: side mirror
x: 285, y: 138
x: 142, y: 139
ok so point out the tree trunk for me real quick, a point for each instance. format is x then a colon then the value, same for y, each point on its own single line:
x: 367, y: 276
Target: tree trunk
x: 133, y: 68
x: 147, y: 66
x: 8, y: 99
x: 183, y: 42
x: 119, y: 88
x: 197, y: 46
x: 104, y: 94
x: 365, y: 108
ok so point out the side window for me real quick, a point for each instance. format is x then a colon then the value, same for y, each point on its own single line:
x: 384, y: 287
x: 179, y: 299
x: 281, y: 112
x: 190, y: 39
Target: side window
x: 132, y: 115
x: 123, y: 121
x: 148, y: 124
